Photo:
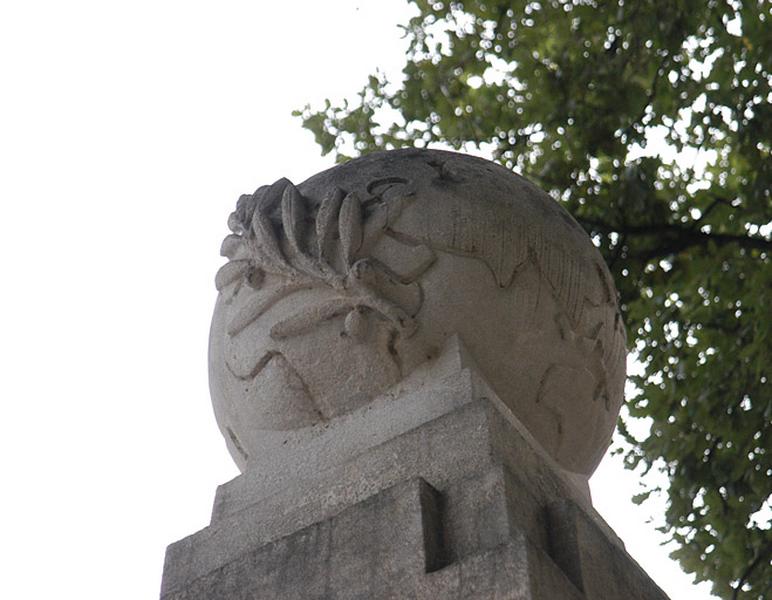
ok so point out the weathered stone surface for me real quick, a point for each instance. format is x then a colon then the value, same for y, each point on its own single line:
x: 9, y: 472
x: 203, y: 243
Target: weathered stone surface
x: 465, y: 435
x: 488, y: 509
x: 591, y: 562
x: 287, y: 459
x: 339, y: 288
x: 480, y: 538
x: 388, y: 546
x: 494, y: 484
x: 292, y: 459
x: 513, y: 571
x: 381, y: 545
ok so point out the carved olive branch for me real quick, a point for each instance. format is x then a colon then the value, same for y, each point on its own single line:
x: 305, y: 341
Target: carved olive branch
x: 329, y: 254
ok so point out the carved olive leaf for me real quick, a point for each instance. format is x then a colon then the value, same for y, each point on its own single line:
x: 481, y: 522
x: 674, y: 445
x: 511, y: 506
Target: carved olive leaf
x: 407, y: 260
x: 393, y: 313
x: 407, y: 296
x: 238, y: 220
x: 234, y: 224
x: 230, y: 245
x: 266, y: 246
x: 230, y: 272
x: 382, y: 216
x: 292, y: 216
x: 362, y: 272
x: 257, y: 304
x: 272, y: 195
x: 355, y: 324
x: 325, y: 221
x: 293, y: 213
x: 374, y: 227
x: 350, y: 227
x: 308, y: 317
x: 255, y: 278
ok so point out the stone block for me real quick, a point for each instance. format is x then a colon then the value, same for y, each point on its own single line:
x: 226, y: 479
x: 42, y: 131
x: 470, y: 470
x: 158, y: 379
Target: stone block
x: 391, y: 545
x: 349, y: 492
x: 488, y: 509
x: 595, y: 565
x: 375, y: 549
x: 468, y: 442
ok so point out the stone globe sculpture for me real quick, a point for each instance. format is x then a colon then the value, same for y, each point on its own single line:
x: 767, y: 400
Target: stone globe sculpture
x: 337, y: 289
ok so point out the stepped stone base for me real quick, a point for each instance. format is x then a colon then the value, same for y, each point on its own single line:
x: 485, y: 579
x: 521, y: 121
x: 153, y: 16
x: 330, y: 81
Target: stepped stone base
x: 450, y: 497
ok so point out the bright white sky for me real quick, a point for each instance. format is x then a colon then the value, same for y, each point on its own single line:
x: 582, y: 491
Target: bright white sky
x: 127, y: 132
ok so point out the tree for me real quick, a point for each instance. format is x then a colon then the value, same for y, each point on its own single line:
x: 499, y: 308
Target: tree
x: 571, y: 94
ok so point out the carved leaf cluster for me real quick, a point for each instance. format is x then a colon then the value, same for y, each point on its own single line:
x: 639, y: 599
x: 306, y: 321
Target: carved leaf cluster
x: 279, y: 232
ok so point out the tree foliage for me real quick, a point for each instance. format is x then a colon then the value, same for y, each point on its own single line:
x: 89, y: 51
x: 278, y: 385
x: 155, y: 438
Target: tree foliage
x: 572, y: 93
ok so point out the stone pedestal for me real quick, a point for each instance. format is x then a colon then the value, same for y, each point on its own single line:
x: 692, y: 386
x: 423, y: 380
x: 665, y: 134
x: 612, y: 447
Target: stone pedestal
x: 434, y: 490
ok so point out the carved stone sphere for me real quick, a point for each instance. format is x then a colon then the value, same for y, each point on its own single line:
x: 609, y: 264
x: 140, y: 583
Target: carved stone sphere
x: 337, y: 289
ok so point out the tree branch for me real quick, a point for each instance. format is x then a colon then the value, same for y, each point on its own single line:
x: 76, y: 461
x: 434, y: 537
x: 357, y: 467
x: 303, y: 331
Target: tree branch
x: 749, y: 570
x: 649, y: 95
x: 719, y: 200
x: 676, y: 238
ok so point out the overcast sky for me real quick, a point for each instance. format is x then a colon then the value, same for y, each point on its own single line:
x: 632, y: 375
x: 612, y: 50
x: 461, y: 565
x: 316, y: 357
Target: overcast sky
x: 127, y: 132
